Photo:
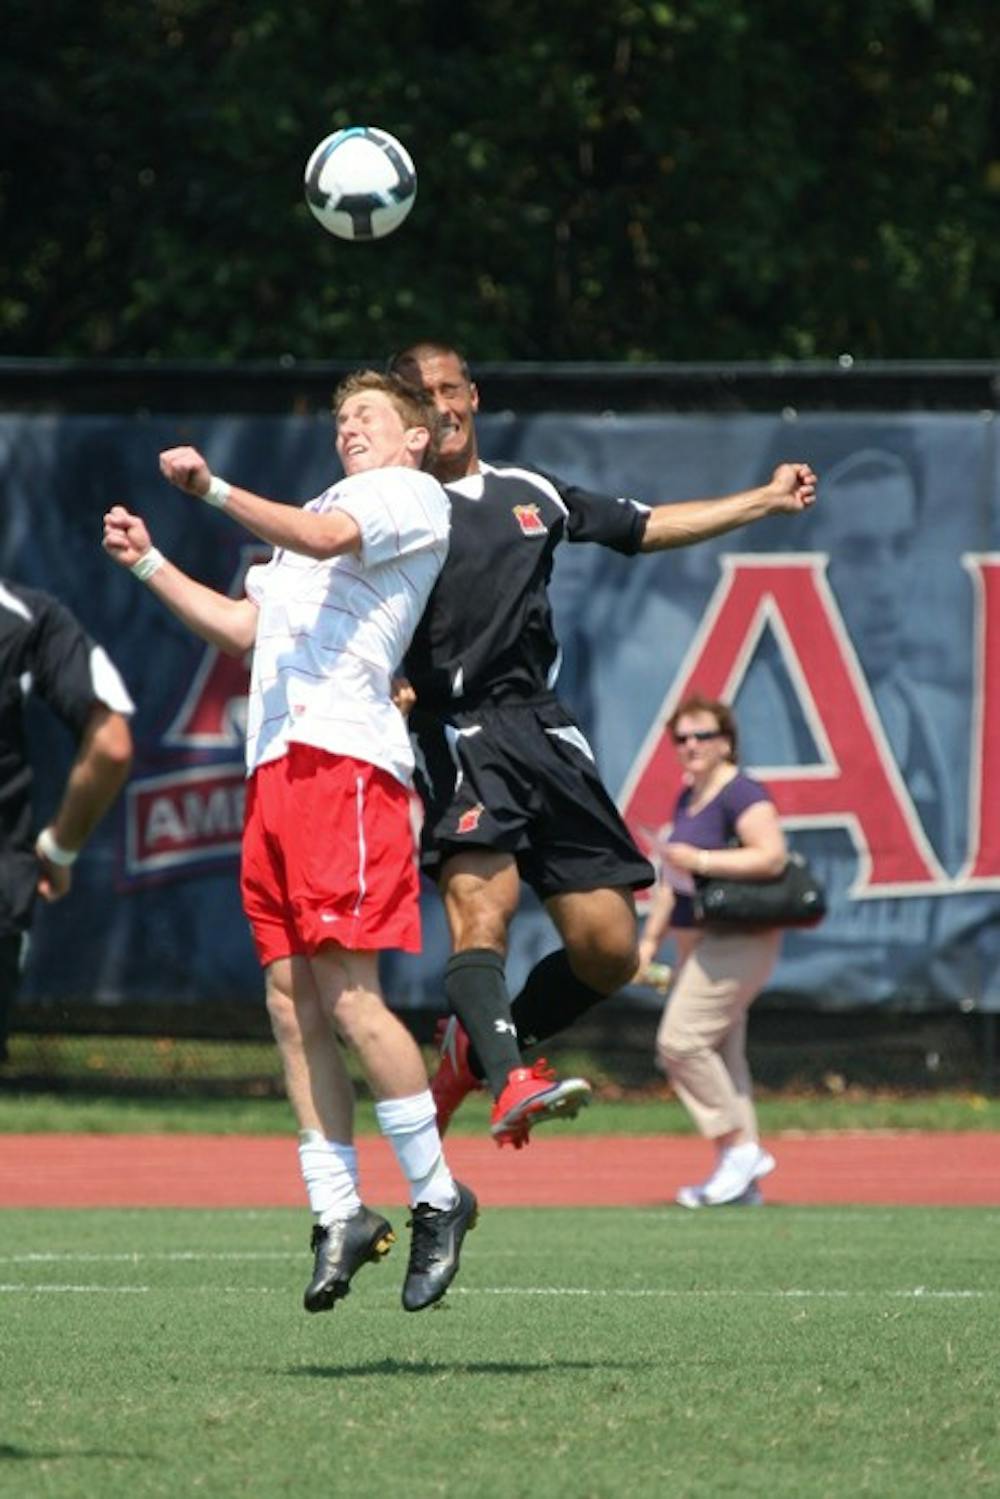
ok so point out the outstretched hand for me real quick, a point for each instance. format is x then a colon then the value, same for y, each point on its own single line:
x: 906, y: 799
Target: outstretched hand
x: 126, y: 538
x: 793, y: 487
x: 186, y: 469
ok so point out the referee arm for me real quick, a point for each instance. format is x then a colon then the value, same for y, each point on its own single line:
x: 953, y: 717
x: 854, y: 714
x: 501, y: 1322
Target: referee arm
x: 96, y: 776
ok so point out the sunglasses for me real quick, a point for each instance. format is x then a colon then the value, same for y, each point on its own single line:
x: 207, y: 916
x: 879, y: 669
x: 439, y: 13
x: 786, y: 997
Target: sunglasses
x: 700, y: 736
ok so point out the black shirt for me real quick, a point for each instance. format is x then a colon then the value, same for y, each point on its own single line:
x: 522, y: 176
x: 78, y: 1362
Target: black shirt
x: 44, y: 652
x: 486, y: 635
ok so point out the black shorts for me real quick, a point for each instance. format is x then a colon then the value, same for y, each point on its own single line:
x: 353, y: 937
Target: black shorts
x: 18, y: 889
x: 521, y: 779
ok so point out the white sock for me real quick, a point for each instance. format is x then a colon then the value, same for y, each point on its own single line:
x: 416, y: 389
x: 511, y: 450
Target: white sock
x: 330, y: 1172
x: 410, y: 1126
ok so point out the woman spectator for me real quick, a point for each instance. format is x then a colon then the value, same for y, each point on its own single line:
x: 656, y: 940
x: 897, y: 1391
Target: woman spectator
x: 725, y: 824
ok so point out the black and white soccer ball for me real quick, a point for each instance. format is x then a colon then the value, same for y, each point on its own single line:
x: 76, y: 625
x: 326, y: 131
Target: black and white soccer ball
x: 360, y: 183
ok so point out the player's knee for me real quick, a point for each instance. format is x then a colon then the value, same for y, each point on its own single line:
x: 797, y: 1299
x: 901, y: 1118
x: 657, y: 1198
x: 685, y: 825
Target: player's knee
x: 290, y: 1017
x: 605, y: 967
x: 479, y: 924
x: 358, y: 1012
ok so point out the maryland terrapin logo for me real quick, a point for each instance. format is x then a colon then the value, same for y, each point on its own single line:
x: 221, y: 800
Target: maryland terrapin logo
x: 469, y: 821
x: 529, y: 519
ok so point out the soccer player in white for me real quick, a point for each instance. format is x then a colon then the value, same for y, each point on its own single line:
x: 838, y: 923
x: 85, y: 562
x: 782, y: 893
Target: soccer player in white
x: 328, y: 873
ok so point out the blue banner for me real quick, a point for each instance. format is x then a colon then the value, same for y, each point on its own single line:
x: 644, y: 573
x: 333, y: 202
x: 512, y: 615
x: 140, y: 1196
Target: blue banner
x: 860, y: 646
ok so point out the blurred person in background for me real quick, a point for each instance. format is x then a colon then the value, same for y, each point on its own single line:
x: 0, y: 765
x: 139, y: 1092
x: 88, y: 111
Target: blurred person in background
x: 701, y: 1040
x: 46, y: 654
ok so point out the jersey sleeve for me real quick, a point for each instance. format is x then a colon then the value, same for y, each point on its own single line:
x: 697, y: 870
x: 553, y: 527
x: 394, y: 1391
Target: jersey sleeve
x: 397, y: 511
x: 741, y: 793
x: 616, y: 523
x: 70, y: 673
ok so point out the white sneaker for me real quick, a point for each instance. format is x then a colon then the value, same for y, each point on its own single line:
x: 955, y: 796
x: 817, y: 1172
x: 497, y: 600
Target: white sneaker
x: 690, y: 1197
x: 694, y: 1197
x: 765, y: 1163
x: 739, y: 1167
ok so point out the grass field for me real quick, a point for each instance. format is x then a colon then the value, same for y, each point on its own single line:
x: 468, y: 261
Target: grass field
x: 583, y: 1352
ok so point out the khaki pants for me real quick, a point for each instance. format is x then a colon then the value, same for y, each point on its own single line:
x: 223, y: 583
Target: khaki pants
x: 701, y: 1040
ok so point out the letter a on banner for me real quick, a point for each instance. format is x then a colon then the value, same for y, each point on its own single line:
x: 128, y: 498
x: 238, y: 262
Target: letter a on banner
x: 856, y: 784
x: 213, y: 712
x: 982, y: 868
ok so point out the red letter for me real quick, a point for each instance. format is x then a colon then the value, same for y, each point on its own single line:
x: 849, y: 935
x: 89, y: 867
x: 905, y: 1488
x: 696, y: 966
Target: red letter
x: 213, y: 713
x: 982, y: 868
x: 857, y: 783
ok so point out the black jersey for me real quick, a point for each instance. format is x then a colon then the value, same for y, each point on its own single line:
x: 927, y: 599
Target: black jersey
x: 44, y: 652
x: 486, y: 634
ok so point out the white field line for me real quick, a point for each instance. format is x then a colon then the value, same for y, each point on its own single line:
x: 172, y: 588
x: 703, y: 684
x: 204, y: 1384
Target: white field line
x: 915, y: 1293
x: 133, y: 1257
x: 11, y: 1289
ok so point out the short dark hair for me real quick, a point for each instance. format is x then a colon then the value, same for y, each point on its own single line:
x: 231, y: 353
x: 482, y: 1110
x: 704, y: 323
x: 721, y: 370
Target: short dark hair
x: 724, y: 716
x: 405, y: 362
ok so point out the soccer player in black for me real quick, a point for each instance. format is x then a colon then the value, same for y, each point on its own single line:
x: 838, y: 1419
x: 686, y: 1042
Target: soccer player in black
x: 45, y: 653
x: 511, y: 789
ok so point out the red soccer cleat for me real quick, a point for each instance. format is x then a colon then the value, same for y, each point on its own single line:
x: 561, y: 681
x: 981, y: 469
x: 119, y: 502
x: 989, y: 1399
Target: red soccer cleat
x: 531, y: 1095
x: 454, y: 1079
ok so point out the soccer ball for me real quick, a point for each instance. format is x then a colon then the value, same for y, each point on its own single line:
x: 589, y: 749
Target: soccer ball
x: 360, y: 183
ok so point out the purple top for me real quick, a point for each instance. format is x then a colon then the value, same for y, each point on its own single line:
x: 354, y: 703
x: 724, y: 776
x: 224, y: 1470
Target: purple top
x: 712, y: 826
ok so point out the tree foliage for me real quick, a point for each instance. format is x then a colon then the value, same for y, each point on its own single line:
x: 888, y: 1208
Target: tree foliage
x: 703, y: 179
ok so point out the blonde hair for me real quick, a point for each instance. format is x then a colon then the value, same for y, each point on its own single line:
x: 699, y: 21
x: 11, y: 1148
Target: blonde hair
x: 414, y: 407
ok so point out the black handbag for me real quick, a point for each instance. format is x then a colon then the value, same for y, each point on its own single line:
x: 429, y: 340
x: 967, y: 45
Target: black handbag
x: 794, y: 898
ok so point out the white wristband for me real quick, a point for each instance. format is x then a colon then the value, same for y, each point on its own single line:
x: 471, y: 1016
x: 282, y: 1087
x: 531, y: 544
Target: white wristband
x: 149, y: 563
x: 49, y: 849
x: 217, y: 493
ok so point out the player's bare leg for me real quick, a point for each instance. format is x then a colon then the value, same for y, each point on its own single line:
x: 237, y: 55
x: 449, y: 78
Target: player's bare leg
x: 317, y: 1082
x: 600, y: 934
x: 599, y: 957
x: 346, y: 1234
x: 443, y: 1210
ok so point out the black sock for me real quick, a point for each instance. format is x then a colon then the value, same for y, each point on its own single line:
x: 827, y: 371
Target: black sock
x: 552, y: 998
x: 476, y: 990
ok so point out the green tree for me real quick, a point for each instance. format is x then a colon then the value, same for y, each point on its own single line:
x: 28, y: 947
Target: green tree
x: 709, y: 179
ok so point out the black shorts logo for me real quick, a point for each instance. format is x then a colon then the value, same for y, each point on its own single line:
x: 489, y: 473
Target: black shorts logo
x: 469, y: 821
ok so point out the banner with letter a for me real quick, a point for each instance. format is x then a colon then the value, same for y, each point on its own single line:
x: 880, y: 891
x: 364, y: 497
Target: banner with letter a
x: 859, y: 645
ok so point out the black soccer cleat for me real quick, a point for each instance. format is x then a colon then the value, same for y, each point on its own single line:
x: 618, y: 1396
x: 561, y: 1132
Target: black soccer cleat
x: 435, y: 1247
x: 341, y: 1249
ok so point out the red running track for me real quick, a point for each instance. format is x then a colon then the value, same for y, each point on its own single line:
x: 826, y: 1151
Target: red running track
x: 240, y: 1171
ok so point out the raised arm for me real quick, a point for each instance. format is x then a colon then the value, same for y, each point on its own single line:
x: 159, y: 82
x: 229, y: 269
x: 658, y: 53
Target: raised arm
x: 792, y: 488
x: 303, y: 531
x: 229, y: 624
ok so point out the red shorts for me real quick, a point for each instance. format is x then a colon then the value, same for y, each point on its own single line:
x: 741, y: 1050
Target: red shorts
x: 328, y: 856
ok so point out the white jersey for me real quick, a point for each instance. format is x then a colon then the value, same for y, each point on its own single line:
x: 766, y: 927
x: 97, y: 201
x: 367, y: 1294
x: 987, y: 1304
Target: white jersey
x: 330, y: 634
